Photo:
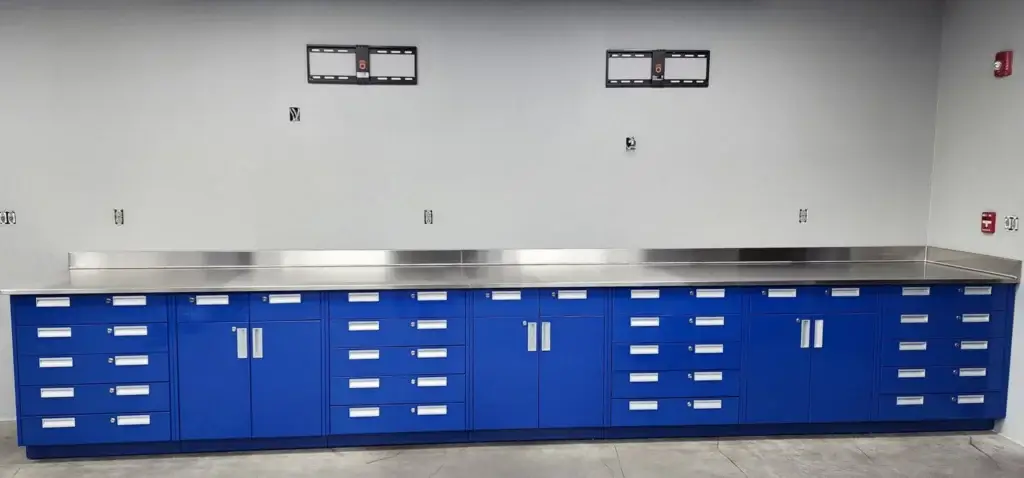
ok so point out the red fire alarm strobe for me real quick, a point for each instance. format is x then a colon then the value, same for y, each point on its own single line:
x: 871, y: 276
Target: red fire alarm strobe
x: 1004, y: 64
x: 988, y: 222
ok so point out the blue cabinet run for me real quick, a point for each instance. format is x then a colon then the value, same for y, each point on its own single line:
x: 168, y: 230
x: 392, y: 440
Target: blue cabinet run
x: 271, y: 369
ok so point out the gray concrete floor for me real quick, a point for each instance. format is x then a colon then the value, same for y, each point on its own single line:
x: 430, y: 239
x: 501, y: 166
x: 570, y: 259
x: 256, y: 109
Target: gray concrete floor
x: 961, y: 456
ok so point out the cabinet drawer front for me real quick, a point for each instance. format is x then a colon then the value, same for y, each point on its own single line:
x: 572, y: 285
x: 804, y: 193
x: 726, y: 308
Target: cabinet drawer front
x: 505, y: 303
x: 232, y: 307
x: 655, y: 328
x: 573, y: 302
x: 975, y: 352
x: 916, y: 352
x: 398, y: 389
x: 676, y: 383
x: 397, y: 332
x: 919, y: 298
x: 365, y: 304
x: 940, y: 379
x: 100, y: 428
x: 95, y: 368
x: 366, y: 419
x: 432, y: 303
x: 398, y: 361
x: 711, y: 411
x: 89, y: 309
x: 279, y: 306
x: 788, y: 300
x: 981, y: 298
x: 712, y: 356
x: 712, y: 301
x: 977, y: 325
x: 977, y: 405
x: 648, y: 357
x: 851, y: 299
x: 648, y: 300
x: 915, y: 325
x: 86, y: 339
x: 645, y: 412
x: 912, y: 407
x: 100, y: 398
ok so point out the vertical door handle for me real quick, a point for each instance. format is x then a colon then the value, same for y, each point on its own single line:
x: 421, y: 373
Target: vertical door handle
x: 805, y: 333
x: 242, y: 342
x: 531, y: 337
x: 819, y: 333
x: 257, y: 343
x: 545, y: 336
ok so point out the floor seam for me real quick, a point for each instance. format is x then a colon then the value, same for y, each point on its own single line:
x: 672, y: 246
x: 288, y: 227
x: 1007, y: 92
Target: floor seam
x: 384, y: 458
x: 622, y: 471
x: 862, y: 452
x: 718, y: 446
x: 971, y: 441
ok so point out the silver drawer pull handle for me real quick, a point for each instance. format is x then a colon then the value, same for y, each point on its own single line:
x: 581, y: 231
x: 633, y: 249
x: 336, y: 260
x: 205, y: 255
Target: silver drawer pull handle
x: 364, y: 297
x: 973, y: 372
x: 368, y: 412
x: 917, y: 291
x: 132, y: 420
x: 67, y: 392
x: 56, y: 362
x: 707, y: 404
x: 979, y: 290
x: 130, y: 360
x: 284, y: 298
x: 781, y: 293
x: 364, y: 383
x: 364, y: 326
x: 131, y: 331
x: 432, y: 382
x: 644, y: 321
x: 707, y: 376
x: 128, y: 301
x: 432, y: 296
x: 53, y: 301
x: 710, y: 293
x: 643, y: 377
x: 909, y: 401
x: 911, y: 373
x: 364, y: 354
x: 913, y: 346
x: 59, y: 422
x: 846, y: 292
x: 645, y: 294
x: 974, y: 345
x: 709, y: 321
x: 572, y: 295
x: 709, y: 349
x: 213, y: 300
x: 53, y: 332
x: 506, y: 295
x: 643, y: 350
x: 914, y: 319
x: 431, y: 353
x: 970, y: 399
x: 431, y: 324
x: 638, y: 406
x: 432, y: 410
x: 976, y: 318
x: 131, y: 390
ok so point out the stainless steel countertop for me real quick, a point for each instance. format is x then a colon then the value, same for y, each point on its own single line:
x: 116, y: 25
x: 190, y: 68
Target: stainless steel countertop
x: 503, y: 276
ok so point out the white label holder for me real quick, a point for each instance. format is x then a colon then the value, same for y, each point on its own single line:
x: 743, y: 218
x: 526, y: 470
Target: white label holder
x: 437, y: 324
x: 53, y: 302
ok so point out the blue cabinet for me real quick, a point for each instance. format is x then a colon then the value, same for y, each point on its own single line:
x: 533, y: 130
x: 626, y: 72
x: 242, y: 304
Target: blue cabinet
x: 571, y: 372
x: 214, y: 380
x: 287, y: 374
x: 810, y: 369
x: 506, y: 373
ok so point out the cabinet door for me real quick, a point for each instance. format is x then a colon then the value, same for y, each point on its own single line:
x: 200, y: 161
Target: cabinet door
x: 287, y: 386
x: 213, y: 380
x: 842, y: 368
x: 572, y: 372
x: 776, y: 369
x: 505, y: 373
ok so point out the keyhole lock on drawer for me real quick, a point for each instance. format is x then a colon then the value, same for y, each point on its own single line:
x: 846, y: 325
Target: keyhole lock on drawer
x: 110, y: 360
x: 113, y: 420
x: 108, y: 300
x: 412, y: 352
x: 690, y: 348
x: 112, y: 390
x: 413, y: 381
x: 412, y: 324
x: 110, y: 330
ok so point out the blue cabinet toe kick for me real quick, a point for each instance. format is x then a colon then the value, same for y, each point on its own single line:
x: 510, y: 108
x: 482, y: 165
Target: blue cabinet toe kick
x: 454, y: 437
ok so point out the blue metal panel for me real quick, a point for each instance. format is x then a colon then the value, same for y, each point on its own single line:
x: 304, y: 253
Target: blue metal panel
x: 397, y: 332
x: 572, y: 373
x: 365, y: 304
x: 100, y: 428
x: 843, y: 368
x: 505, y: 375
x: 776, y: 370
x: 664, y: 328
x: 505, y: 303
x: 398, y: 389
x: 100, y: 398
x: 397, y: 418
x: 233, y: 307
x: 87, y: 339
x: 89, y: 309
x: 676, y: 383
x: 573, y: 302
x: 213, y: 382
x: 96, y: 368
x: 287, y: 386
x: 282, y: 306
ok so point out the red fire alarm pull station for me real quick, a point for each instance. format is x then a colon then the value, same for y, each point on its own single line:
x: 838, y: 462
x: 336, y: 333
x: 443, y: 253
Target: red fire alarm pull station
x: 1004, y: 64
x: 988, y: 222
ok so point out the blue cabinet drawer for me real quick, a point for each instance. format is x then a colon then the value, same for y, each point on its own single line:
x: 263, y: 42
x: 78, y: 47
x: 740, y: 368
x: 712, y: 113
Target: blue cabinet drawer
x: 676, y: 383
x: 656, y: 357
x: 100, y: 428
x: 663, y: 328
x: 678, y: 300
x: 398, y: 389
x: 941, y: 379
x: 968, y: 353
x: 85, y: 339
x: 788, y: 300
x: 981, y: 298
x: 505, y: 303
x: 578, y: 302
x: 917, y: 298
x: 89, y: 309
x: 102, y: 398
x: 398, y: 418
x: 397, y: 332
x: 398, y: 303
x: 850, y: 300
x: 280, y: 306
x: 909, y: 407
x: 96, y: 368
x: 943, y: 324
x: 674, y: 412
x: 397, y: 361
x: 212, y: 307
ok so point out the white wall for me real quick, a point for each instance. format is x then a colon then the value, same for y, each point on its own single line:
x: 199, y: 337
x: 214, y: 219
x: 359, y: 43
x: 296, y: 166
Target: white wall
x: 978, y: 163
x: 177, y: 112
